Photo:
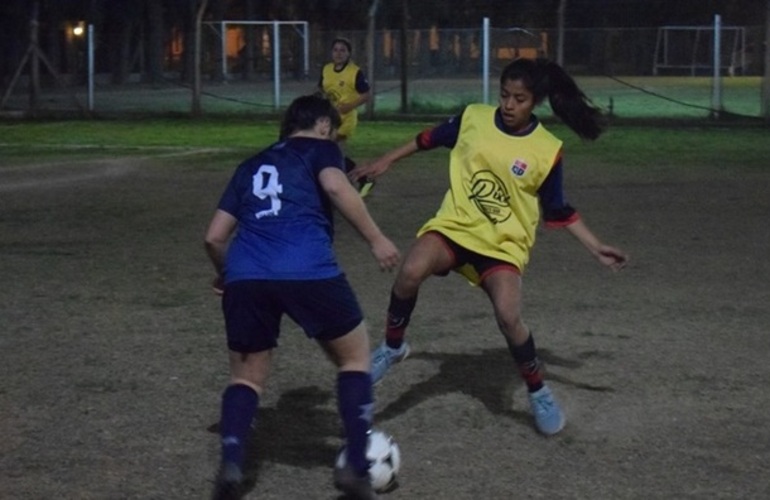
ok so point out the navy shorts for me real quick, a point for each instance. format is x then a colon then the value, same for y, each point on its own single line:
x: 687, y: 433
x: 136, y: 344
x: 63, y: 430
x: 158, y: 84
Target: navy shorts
x: 325, y: 309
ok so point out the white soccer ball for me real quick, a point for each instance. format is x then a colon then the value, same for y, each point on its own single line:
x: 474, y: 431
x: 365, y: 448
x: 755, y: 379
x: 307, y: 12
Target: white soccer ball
x: 384, y: 457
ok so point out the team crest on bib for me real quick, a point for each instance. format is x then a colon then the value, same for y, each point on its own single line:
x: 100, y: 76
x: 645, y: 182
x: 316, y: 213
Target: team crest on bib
x: 519, y: 168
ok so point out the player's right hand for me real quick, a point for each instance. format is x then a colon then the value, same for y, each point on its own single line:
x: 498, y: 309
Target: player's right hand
x: 218, y: 285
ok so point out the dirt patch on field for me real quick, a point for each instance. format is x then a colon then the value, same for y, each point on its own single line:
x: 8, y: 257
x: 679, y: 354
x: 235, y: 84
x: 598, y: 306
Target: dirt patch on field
x: 113, y: 352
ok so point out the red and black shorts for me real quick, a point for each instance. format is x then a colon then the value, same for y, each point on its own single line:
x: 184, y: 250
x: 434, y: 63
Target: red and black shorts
x: 483, y: 265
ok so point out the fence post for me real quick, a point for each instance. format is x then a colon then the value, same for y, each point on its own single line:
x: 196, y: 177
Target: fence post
x: 485, y: 70
x: 716, y: 85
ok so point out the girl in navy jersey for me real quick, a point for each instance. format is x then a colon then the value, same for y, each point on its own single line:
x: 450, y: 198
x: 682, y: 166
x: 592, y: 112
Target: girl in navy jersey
x: 270, y: 241
x: 505, y: 174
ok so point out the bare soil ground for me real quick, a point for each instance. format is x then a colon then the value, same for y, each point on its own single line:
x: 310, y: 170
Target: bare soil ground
x: 113, y: 356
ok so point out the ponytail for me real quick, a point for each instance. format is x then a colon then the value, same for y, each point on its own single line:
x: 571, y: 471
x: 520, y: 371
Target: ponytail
x: 544, y: 78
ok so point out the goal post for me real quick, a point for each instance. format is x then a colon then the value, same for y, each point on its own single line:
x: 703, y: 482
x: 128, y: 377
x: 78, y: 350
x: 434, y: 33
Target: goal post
x: 274, y: 45
x: 692, y: 49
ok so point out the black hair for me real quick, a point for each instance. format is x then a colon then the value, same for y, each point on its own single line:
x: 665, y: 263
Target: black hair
x: 305, y: 111
x: 343, y: 41
x: 545, y: 78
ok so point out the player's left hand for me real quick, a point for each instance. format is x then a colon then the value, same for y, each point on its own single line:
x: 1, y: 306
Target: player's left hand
x: 612, y: 257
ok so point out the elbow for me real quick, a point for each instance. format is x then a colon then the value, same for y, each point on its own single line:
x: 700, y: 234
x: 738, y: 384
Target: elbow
x: 212, y: 242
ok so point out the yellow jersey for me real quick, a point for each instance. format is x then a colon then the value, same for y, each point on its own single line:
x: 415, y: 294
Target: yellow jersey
x: 492, y: 207
x: 340, y: 88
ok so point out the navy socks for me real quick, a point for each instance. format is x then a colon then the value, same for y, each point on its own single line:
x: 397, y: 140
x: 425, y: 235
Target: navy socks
x: 239, y: 408
x: 356, y: 407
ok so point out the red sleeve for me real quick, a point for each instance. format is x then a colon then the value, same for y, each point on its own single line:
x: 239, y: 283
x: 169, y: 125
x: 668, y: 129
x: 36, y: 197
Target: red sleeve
x: 444, y: 134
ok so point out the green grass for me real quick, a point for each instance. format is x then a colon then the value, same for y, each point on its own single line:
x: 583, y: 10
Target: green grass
x: 139, y: 133
x: 627, y: 97
x: 686, y: 146
x: 621, y: 146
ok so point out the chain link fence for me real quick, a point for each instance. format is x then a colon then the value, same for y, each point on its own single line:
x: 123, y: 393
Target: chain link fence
x: 615, y: 67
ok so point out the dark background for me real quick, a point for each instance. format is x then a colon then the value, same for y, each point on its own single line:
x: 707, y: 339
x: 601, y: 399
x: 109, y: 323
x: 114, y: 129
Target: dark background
x: 138, y: 32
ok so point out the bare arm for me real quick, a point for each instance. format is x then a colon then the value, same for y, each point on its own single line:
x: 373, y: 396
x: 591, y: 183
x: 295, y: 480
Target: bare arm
x: 217, y: 237
x: 350, y: 106
x: 352, y: 207
x: 611, y: 257
x: 383, y: 163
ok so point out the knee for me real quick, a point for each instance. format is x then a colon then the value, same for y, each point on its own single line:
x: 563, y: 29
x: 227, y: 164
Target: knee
x: 511, y: 325
x: 357, y: 361
x: 409, y: 278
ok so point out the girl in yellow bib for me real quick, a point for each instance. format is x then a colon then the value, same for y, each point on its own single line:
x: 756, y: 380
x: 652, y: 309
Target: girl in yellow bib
x: 344, y: 83
x: 505, y: 167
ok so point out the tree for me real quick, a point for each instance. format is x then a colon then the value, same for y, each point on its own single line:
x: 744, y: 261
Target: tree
x: 123, y: 19
x: 196, y: 101
x: 249, y: 49
x: 370, y: 62
x: 766, y: 78
x: 154, y: 20
x: 561, y: 15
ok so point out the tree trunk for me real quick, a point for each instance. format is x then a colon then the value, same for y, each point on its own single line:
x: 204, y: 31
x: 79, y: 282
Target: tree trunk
x: 370, y: 57
x: 249, y: 49
x: 55, y: 39
x: 34, y: 63
x: 766, y: 79
x: 217, y: 9
x: 188, y: 17
x: 122, y: 60
x: 561, y: 15
x: 155, y: 40
x: 197, y: 109
x: 404, y: 57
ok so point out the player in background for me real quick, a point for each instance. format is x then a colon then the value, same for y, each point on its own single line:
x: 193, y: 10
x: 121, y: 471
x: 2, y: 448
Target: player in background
x: 505, y: 167
x: 344, y: 83
x: 270, y: 241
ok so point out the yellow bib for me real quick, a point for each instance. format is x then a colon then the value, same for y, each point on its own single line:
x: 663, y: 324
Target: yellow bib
x: 492, y: 207
x: 340, y: 88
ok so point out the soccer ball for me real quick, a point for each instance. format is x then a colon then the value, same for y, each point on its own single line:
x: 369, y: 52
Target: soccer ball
x: 384, y: 457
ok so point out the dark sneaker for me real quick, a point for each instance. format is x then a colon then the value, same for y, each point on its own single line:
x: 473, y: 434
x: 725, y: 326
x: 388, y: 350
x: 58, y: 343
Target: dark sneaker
x: 352, y: 485
x: 383, y: 357
x: 549, y: 418
x: 228, y: 483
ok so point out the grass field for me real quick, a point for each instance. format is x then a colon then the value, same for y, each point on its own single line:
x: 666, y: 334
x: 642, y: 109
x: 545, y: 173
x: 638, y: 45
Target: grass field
x: 625, y: 97
x: 114, y: 358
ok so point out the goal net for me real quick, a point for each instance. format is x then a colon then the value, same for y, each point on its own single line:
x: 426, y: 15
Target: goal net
x: 691, y: 49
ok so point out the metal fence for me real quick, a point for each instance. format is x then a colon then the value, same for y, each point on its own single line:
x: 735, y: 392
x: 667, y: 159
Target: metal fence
x: 444, y: 69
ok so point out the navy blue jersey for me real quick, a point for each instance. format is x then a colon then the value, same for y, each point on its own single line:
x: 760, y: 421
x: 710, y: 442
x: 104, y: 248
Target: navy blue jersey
x: 285, y: 226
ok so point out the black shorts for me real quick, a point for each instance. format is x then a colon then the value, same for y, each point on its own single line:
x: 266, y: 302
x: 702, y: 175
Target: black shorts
x: 324, y: 309
x: 483, y: 265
